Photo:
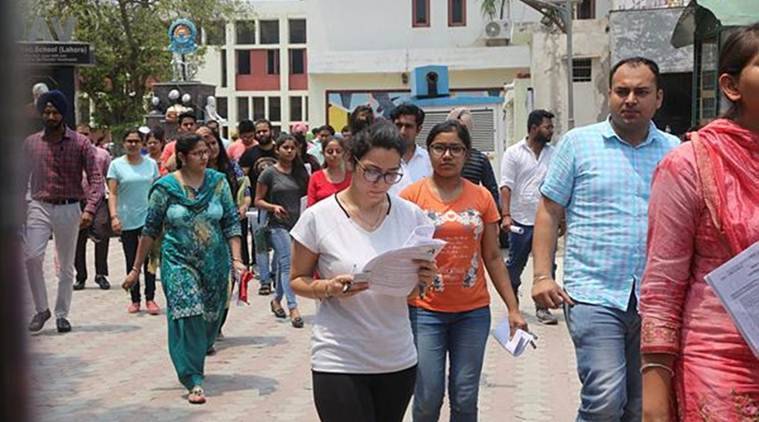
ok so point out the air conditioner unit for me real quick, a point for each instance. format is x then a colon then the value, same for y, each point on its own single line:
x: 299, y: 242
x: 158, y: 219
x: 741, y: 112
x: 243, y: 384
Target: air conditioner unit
x: 499, y: 29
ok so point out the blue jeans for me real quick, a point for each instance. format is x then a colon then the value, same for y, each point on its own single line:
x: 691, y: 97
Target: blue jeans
x: 520, y: 247
x: 280, y: 241
x: 461, y: 336
x: 607, y: 345
x: 261, y: 240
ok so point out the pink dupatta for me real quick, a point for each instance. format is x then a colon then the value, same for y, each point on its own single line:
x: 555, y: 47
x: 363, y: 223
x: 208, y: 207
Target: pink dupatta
x: 728, y: 163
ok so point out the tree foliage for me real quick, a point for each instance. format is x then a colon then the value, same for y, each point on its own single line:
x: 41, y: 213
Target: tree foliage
x: 130, y: 41
x: 492, y: 8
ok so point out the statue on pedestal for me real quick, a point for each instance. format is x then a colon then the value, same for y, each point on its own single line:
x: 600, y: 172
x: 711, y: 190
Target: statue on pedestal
x: 182, y: 34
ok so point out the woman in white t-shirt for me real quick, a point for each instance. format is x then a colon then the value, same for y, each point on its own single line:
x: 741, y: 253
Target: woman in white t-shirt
x: 363, y: 358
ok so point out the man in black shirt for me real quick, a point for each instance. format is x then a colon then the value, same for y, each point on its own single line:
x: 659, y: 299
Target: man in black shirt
x: 253, y: 162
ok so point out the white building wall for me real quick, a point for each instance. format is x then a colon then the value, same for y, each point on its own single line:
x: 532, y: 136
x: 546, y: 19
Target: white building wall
x: 549, y: 77
x: 211, y: 69
x: 369, y: 45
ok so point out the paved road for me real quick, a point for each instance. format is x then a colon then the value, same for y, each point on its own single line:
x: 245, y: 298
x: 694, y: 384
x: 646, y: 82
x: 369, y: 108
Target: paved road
x: 115, y: 367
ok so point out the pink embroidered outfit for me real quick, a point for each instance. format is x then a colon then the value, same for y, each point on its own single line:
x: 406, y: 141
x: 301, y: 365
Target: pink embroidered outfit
x: 704, y: 209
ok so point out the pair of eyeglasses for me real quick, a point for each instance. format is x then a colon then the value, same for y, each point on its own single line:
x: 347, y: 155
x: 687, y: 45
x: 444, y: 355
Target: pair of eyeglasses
x: 455, y: 149
x: 373, y: 175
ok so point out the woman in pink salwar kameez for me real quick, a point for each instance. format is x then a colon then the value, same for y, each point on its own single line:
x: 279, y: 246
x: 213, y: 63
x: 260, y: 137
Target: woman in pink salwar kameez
x: 704, y: 209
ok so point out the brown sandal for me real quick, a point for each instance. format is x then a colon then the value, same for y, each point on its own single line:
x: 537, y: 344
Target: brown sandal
x: 277, y: 310
x: 196, y: 396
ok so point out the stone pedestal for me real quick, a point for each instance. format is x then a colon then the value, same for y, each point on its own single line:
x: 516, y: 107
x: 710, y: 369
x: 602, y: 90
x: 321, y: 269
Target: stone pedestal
x: 198, y: 91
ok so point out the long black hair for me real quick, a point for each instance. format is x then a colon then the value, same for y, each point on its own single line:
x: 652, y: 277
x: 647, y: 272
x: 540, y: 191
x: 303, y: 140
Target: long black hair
x: 225, y: 165
x: 298, y: 168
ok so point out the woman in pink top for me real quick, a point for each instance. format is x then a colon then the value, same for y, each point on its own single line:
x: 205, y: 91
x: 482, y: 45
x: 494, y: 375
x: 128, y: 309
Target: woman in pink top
x: 334, y: 177
x: 704, y: 210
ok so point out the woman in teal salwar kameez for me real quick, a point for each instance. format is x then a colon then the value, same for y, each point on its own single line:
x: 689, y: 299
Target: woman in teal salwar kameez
x: 194, y: 210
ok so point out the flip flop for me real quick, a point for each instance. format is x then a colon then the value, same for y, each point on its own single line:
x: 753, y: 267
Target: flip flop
x: 196, y: 396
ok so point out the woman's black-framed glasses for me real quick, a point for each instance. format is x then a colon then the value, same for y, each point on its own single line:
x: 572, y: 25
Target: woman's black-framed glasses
x: 456, y: 150
x: 373, y: 175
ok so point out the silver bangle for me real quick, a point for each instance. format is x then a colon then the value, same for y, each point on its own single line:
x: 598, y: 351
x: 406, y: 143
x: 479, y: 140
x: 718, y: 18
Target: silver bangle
x: 657, y: 365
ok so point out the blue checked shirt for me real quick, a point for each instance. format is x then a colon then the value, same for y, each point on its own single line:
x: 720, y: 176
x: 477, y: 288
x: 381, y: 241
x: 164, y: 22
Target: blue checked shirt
x: 604, y: 183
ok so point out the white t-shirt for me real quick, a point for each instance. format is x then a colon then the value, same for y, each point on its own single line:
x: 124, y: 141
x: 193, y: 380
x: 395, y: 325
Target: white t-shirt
x: 367, y: 333
x: 523, y: 173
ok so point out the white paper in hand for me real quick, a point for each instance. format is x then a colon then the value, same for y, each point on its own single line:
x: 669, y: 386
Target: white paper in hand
x: 736, y: 283
x: 515, y: 345
x: 394, y: 272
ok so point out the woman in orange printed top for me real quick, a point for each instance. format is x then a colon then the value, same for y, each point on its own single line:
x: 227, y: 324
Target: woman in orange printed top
x: 452, y: 317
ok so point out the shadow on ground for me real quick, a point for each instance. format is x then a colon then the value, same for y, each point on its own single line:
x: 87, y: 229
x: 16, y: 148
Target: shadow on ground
x: 256, y: 341
x: 218, y: 384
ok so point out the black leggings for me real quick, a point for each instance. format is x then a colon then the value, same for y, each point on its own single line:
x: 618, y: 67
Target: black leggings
x: 363, y: 397
x: 129, y: 241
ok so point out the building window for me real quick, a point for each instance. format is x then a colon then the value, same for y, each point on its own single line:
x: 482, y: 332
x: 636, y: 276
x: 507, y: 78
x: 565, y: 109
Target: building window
x: 586, y: 10
x: 420, y: 13
x: 582, y: 70
x: 243, y: 111
x: 243, y: 62
x: 222, y: 107
x: 297, y: 61
x: 259, y: 108
x: 456, y: 13
x: 305, y: 106
x: 215, y: 33
x: 272, y: 62
x: 245, y: 32
x: 275, y: 109
x: 297, y: 31
x: 269, y: 32
x: 224, y: 68
x: 296, y: 109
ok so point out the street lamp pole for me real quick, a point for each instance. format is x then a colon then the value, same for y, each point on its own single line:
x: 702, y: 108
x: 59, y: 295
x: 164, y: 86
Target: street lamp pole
x: 567, y: 17
x: 560, y: 12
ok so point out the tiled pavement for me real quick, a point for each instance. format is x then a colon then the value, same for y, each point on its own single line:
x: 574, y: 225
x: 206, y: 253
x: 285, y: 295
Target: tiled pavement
x: 115, y: 367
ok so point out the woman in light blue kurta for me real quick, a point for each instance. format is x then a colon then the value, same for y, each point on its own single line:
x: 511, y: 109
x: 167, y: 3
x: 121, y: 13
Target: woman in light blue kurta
x: 194, y: 209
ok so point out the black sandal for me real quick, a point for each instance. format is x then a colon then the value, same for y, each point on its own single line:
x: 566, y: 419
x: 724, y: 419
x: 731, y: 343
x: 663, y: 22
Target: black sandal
x: 277, y: 311
x: 264, y: 290
x: 297, y: 322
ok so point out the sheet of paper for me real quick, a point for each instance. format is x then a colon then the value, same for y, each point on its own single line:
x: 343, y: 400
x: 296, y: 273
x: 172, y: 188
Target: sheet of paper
x: 736, y: 283
x: 393, y: 272
x: 515, y: 345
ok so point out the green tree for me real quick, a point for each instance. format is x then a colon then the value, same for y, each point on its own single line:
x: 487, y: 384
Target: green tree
x: 492, y: 8
x: 130, y: 41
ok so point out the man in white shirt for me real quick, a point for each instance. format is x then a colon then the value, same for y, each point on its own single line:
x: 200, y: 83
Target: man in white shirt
x: 523, y: 168
x: 415, y: 163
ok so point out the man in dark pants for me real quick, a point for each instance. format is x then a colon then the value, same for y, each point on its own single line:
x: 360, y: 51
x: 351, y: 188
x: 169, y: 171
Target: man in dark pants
x: 523, y: 168
x: 99, y: 232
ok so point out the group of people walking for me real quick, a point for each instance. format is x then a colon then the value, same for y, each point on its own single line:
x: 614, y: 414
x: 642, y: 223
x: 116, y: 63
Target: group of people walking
x: 646, y: 218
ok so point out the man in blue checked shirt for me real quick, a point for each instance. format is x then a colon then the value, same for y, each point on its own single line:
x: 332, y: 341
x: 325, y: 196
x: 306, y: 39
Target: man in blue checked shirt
x: 600, y: 175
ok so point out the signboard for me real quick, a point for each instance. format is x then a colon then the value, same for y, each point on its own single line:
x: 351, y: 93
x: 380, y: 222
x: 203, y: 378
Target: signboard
x: 56, y: 53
